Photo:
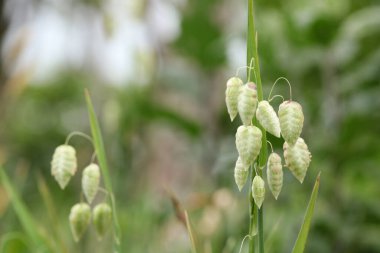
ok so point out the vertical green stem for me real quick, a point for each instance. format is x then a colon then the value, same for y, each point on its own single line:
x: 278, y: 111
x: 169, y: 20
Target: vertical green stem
x: 256, y: 216
x: 252, y: 216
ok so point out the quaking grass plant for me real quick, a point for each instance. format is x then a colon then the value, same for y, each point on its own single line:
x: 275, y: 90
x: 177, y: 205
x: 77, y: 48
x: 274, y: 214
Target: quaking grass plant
x: 64, y: 167
x: 258, y: 117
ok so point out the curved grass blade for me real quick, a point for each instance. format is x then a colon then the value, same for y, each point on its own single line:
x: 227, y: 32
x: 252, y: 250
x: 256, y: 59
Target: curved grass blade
x: 101, y: 155
x: 299, y: 246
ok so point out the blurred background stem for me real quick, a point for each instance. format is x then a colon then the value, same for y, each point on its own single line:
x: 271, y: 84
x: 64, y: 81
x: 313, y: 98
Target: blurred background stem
x: 252, y: 53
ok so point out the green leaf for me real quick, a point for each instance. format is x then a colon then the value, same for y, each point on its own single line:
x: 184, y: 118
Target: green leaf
x: 299, y: 246
x: 101, y: 156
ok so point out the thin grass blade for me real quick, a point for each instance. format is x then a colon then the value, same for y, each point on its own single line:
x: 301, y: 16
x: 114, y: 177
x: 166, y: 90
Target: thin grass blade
x: 35, y: 233
x: 191, y: 233
x: 51, y: 214
x: 299, y: 246
x: 184, y: 218
x: 101, y: 156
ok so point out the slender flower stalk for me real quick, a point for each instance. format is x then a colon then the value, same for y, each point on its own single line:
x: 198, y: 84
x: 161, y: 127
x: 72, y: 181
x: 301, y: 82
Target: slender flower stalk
x: 256, y: 216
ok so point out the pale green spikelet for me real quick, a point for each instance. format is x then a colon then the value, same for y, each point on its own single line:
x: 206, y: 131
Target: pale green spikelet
x: 297, y: 158
x: 267, y: 117
x: 291, y: 121
x: 248, y: 143
x: 247, y: 103
x: 232, y: 93
x: 102, y: 217
x: 63, y: 164
x: 258, y: 190
x: 90, y: 181
x: 274, y: 174
x: 80, y: 218
x: 241, y: 173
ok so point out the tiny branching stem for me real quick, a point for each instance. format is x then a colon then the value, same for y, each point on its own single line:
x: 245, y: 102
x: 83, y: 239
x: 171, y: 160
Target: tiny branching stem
x: 93, y: 157
x: 242, y: 67
x: 77, y: 133
x: 276, y: 96
x: 274, y: 84
x: 242, y: 242
x: 251, y: 69
x: 105, y: 192
x: 271, y: 147
x: 257, y: 173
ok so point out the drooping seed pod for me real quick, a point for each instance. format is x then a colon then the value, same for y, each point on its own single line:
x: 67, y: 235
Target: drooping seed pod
x: 63, y: 164
x: 297, y: 158
x: 80, y: 218
x: 90, y: 181
x: 241, y: 173
x: 274, y: 174
x: 102, y: 219
x: 232, y: 93
x: 291, y: 121
x: 247, y: 103
x: 248, y: 143
x: 268, y: 118
x: 258, y: 190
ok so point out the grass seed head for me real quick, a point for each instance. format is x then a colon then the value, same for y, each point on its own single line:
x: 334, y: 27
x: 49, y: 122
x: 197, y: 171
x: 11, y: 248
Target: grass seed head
x: 232, y: 93
x: 247, y: 103
x: 63, y: 164
x: 248, y: 143
x: 258, y: 190
x: 80, y: 218
x: 267, y: 117
x: 241, y: 173
x: 102, y: 217
x: 297, y: 158
x: 90, y: 181
x: 275, y: 174
x: 291, y: 121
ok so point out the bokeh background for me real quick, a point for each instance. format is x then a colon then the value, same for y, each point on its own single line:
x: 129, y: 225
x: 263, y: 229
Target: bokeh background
x: 156, y: 70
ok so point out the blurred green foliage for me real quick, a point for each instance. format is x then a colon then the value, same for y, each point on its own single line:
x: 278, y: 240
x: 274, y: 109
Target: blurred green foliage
x: 175, y: 133
x: 201, y: 37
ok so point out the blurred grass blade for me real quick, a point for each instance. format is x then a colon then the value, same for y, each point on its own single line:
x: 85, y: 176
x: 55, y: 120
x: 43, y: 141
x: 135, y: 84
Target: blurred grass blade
x: 51, y: 214
x: 270, y: 239
x: 28, y: 223
x: 191, y: 233
x: 183, y: 217
x: 101, y: 156
x: 299, y: 246
x: 9, y: 237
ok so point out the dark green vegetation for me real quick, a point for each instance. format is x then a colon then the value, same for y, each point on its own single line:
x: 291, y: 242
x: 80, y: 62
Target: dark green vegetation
x: 173, y: 134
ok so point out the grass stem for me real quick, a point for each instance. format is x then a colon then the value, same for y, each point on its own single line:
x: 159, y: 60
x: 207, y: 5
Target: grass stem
x: 252, y: 53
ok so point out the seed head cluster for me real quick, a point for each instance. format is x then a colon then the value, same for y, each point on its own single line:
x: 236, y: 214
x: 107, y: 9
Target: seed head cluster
x: 288, y: 122
x: 63, y: 168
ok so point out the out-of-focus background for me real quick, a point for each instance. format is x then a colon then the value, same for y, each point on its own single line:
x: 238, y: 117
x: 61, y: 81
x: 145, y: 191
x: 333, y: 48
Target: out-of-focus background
x: 156, y: 70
